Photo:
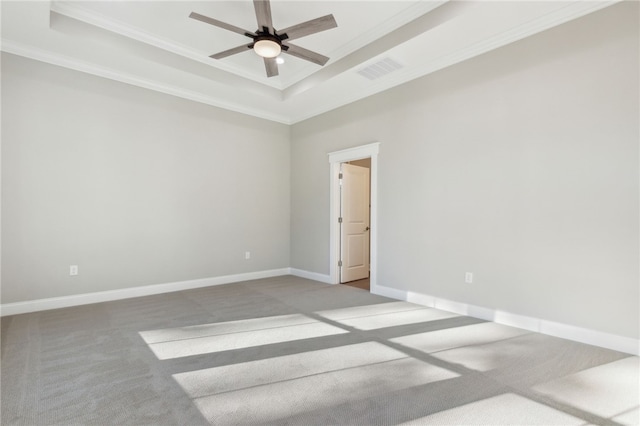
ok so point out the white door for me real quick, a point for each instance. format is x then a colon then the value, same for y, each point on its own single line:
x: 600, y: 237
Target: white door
x: 354, y: 229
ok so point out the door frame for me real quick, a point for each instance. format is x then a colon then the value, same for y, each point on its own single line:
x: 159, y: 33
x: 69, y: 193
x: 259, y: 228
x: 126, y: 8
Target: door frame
x: 335, y: 159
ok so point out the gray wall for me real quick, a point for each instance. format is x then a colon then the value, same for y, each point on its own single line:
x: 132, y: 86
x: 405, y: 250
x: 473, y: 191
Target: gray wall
x: 134, y: 186
x: 520, y: 166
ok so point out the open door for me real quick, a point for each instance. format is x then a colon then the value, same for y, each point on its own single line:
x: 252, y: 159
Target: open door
x: 354, y: 223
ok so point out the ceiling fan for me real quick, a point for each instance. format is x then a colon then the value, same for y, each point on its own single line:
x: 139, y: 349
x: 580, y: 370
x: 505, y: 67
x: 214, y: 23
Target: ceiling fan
x: 268, y: 42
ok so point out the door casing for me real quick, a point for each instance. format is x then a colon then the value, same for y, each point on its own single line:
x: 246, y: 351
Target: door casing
x: 335, y: 159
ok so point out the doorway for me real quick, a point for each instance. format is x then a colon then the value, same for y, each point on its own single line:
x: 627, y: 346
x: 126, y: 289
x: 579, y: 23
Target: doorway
x: 355, y: 223
x: 336, y: 159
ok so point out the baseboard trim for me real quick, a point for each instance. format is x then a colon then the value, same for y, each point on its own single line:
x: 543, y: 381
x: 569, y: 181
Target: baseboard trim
x: 392, y: 293
x: 126, y: 293
x: 311, y: 275
x: 551, y: 328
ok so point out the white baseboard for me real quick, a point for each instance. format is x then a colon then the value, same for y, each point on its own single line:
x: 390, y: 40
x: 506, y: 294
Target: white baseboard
x: 551, y: 328
x: 311, y: 275
x: 126, y: 293
x: 393, y: 293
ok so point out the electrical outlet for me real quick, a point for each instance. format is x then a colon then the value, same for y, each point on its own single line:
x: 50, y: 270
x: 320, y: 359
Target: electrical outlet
x: 73, y: 270
x: 247, y: 255
x: 468, y: 277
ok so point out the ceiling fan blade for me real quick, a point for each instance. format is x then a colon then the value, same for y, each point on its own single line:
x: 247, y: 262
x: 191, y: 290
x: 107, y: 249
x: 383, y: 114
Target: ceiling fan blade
x: 230, y: 52
x: 310, y: 27
x: 271, y: 66
x: 307, y: 55
x: 221, y: 24
x: 263, y: 14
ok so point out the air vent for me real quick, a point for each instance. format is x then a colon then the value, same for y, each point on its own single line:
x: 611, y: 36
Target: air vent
x: 379, y: 69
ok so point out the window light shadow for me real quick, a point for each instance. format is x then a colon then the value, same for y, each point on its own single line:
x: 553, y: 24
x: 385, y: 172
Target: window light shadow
x: 236, y: 377
x: 505, y: 409
x: 215, y: 329
x: 392, y: 319
x: 368, y: 310
x: 387, y: 359
x: 610, y: 390
x: 242, y: 339
x: 274, y: 400
x: 451, y: 338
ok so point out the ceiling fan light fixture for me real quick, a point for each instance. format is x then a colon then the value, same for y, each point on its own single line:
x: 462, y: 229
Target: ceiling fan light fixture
x: 267, y: 48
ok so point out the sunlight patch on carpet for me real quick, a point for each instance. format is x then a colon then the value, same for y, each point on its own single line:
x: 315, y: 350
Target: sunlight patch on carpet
x: 417, y: 316
x: 450, y: 338
x: 610, y: 390
x: 367, y: 310
x: 214, y: 329
x: 289, y: 331
x: 506, y: 409
x: 234, y: 377
x: 273, y: 401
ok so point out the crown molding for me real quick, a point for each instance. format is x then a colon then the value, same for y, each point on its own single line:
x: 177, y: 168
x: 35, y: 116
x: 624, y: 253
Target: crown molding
x: 292, y: 114
x: 74, y: 11
x: 560, y: 16
x: 14, y: 48
x: 388, y: 26
x: 77, y: 12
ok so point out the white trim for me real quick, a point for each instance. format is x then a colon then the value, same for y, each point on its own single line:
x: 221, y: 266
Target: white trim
x: 335, y: 159
x: 386, y: 27
x: 311, y: 275
x: 551, y: 328
x: 564, y: 14
x: 74, y: 11
x: 392, y: 293
x: 18, y: 49
x: 126, y: 293
x: 355, y: 153
x: 573, y: 10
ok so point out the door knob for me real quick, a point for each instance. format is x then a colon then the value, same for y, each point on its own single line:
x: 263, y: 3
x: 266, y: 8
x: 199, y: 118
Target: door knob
x: 367, y: 228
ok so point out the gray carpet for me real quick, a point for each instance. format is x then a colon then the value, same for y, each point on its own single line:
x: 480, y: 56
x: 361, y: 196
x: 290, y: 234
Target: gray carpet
x: 291, y: 351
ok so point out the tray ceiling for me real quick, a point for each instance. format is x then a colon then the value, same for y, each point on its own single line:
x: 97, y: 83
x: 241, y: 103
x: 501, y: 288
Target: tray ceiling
x: 377, y: 45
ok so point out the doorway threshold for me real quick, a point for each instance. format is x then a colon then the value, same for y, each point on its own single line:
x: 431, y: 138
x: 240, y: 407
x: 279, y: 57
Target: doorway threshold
x: 361, y: 284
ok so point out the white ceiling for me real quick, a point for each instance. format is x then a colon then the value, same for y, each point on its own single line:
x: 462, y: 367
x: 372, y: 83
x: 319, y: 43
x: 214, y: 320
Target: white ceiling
x: 154, y: 44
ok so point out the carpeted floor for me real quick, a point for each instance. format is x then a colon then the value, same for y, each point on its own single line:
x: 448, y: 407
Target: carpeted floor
x: 287, y: 350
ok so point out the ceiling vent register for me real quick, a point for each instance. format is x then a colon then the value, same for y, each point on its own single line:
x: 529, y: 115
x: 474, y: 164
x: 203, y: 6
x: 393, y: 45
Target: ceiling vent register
x: 379, y: 69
